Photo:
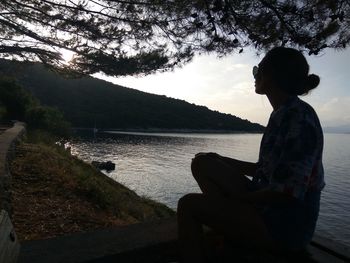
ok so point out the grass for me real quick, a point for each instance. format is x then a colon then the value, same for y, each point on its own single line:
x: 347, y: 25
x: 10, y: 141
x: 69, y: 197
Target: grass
x: 55, y: 193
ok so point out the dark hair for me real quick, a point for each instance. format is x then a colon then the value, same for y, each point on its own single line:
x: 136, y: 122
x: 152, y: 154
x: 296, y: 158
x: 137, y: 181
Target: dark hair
x: 290, y: 70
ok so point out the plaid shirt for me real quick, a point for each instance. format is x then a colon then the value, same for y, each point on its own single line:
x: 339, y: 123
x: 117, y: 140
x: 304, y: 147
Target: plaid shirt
x: 290, y: 158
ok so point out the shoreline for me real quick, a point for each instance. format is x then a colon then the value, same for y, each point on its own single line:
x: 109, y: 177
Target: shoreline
x: 179, y: 131
x: 163, y: 130
x: 55, y: 193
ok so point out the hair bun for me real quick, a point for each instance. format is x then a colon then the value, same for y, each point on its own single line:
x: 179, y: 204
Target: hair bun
x: 312, y: 81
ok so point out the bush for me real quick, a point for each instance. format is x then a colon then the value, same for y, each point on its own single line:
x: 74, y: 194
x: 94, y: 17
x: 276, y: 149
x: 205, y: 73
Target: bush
x: 18, y: 104
x: 14, y: 100
x: 3, y: 112
x: 47, y: 118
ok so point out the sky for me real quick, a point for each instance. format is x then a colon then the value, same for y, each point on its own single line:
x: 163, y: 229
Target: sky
x: 227, y: 85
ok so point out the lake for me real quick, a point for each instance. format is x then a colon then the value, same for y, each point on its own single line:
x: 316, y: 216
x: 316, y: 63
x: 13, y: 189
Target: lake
x: 157, y: 165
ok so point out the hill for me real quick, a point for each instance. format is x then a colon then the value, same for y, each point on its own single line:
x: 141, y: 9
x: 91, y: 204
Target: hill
x: 86, y: 101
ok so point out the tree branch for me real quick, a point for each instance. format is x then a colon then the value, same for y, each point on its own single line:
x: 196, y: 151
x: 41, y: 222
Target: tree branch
x: 286, y: 25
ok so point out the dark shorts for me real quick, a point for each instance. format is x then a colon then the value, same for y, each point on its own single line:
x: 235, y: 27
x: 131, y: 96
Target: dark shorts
x: 292, y: 226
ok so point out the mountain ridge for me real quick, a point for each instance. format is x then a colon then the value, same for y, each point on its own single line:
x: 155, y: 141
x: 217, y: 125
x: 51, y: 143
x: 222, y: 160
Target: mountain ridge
x: 88, y: 102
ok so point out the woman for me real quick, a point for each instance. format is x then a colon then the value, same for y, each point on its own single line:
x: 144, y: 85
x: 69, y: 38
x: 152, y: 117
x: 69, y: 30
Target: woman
x: 278, y: 208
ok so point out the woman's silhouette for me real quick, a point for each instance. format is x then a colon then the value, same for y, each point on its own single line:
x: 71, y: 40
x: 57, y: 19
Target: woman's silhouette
x: 278, y: 208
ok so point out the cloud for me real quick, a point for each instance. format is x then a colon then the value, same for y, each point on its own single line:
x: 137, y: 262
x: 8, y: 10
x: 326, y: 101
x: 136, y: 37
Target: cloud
x: 335, y: 112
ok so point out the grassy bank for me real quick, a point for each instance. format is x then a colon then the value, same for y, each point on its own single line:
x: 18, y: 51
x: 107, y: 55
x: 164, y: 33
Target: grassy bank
x: 54, y: 193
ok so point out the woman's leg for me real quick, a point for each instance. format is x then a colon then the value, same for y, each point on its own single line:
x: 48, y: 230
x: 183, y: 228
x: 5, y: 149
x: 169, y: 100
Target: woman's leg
x: 219, y: 181
x: 238, y: 221
x: 216, y: 177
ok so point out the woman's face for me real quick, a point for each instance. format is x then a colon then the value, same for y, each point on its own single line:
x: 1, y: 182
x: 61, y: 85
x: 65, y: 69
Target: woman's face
x: 263, y: 81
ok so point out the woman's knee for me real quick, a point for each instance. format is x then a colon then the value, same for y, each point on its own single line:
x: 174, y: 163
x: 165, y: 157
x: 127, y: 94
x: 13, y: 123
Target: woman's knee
x: 200, y: 163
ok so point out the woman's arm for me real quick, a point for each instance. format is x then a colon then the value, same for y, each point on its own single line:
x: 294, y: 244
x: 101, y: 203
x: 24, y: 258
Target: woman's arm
x: 246, y: 168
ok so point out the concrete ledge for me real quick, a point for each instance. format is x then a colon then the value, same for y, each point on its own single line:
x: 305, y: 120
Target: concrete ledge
x: 9, y: 245
x: 8, y: 141
x: 155, y: 242
x: 145, y: 242
x: 330, y: 247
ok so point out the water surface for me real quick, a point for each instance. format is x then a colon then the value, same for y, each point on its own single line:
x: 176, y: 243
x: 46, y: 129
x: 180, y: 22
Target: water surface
x: 157, y: 165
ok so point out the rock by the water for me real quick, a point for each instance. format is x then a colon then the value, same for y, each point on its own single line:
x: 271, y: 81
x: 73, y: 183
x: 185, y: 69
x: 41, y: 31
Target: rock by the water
x: 108, y: 166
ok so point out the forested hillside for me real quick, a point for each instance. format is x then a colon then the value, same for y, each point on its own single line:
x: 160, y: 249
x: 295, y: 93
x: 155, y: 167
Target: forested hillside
x: 86, y: 101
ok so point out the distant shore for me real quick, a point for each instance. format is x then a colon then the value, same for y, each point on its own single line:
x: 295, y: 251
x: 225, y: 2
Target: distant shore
x: 163, y: 130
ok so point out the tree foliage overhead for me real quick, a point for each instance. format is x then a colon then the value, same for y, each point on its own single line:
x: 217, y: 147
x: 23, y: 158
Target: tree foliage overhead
x: 139, y: 37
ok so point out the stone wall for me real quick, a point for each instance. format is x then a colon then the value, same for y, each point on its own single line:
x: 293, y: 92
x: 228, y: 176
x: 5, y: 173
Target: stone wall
x: 8, y: 140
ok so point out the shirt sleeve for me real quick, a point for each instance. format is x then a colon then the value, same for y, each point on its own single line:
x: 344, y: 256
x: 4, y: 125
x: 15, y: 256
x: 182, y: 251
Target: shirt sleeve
x: 294, y: 166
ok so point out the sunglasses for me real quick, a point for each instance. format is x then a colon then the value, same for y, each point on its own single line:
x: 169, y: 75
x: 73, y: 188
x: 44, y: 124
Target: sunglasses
x: 255, y: 71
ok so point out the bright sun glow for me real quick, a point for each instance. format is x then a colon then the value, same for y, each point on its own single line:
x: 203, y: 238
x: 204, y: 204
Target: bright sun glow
x: 67, y: 55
